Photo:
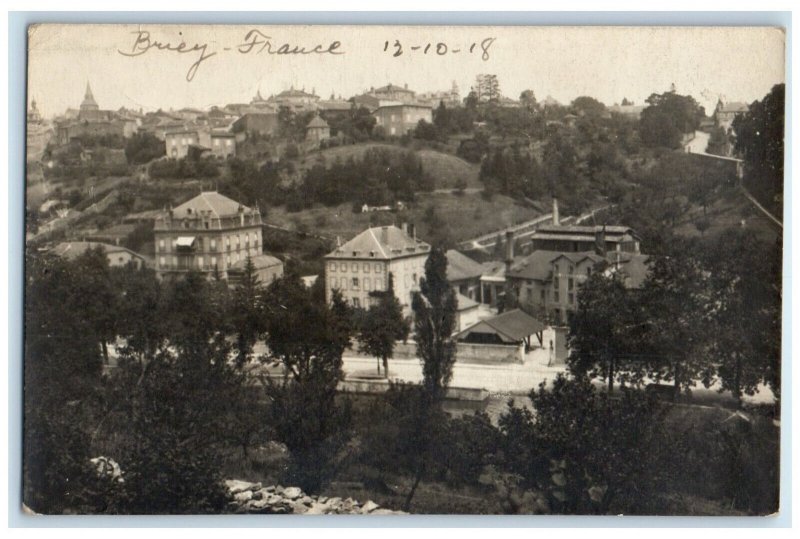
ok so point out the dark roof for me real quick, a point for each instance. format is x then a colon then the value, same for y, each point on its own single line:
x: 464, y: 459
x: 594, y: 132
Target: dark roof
x: 74, y: 249
x: 381, y: 243
x: 392, y: 88
x: 317, y: 122
x: 295, y: 93
x: 259, y: 262
x: 219, y: 205
x: 460, y: 267
x: 538, y: 265
x: 511, y: 326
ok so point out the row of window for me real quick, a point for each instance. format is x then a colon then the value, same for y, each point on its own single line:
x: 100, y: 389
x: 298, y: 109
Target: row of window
x: 199, y: 261
x: 355, y: 266
x: 556, y: 295
x: 354, y: 283
x: 200, y: 242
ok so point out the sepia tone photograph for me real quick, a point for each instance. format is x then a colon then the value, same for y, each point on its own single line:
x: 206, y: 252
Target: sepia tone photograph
x: 403, y: 270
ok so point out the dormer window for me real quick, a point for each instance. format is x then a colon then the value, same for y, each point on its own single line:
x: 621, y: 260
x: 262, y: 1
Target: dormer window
x: 189, y: 211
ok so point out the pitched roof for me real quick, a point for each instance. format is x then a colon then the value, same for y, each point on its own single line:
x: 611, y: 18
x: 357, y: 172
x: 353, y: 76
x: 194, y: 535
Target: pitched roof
x: 735, y: 106
x: 538, y: 265
x: 512, y: 325
x: 295, y: 93
x: 88, y: 98
x: 381, y: 243
x: 218, y: 205
x: 463, y: 302
x: 460, y: 267
x: 317, y: 122
x: 392, y: 88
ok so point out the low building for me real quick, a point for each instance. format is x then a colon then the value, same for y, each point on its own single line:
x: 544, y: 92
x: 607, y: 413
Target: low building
x: 400, y: 118
x: 267, y: 269
x: 317, y: 130
x: 181, y: 144
x: 209, y: 233
x: 513, y: 328
x: 222, y: 144
x: 468, y: 312
x: 117, y: 256
x: 363, y: 265
x: 576, y: 238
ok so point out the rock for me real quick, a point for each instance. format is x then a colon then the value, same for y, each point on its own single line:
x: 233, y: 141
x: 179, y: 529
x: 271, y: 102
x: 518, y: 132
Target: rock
x: 243, y: 496
x: 369, y: 507
x: 270, y: 488
x: 306, y: 500
x: 292, y: 493
x: 259, y: 494
x: 279, y: 490
x: 386, y: 512
x: 255, y: 486
x: 322, y: 499
x: 299, y: 508
x: 334, y: 501
x: 236, y: 485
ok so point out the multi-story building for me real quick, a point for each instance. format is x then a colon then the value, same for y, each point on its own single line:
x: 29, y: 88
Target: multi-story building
x: 298, y: 100
x: 391, y: 92
x: 363, y: 265
x: 179, y: 144
x: 725, y: 113
x: 576, y: 239
x: 400, y: 118
x: 210, y: 233
x: 547, y: 282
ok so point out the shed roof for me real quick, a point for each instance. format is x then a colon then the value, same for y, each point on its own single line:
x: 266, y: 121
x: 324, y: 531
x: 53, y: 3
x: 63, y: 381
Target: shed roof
x: 510, y: 326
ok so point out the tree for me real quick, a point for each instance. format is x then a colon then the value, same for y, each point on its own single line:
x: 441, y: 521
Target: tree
x: 603, y: 331
x: 760, y: 141
x: 667, y: 118
x: 307, y: 339
x: 246, y: 312
x: 383, y: 325
x: 143, y: 147
x: 528, y: 99
x: 487, y: 88
x: 588, y: 106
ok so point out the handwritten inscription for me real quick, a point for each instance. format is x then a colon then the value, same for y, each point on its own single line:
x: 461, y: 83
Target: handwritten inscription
x: 257, y: 42
x: 143, y: 44
x: 440, y: 48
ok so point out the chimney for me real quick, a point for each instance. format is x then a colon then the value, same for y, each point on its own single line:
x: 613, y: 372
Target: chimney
x: 338, y: 241
x: 412, y: 230
x: 385, y: 235
x: 404, y: 227
x: 241, y: 216
x: 509, y: 249
x: 600, y: 241
x: 555, y: 212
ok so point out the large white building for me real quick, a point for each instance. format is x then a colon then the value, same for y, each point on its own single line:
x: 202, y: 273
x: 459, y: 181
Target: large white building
x: 362, y: 266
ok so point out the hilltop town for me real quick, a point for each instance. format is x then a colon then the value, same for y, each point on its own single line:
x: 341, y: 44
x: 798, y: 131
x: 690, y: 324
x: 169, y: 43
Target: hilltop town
x: 348, y: 278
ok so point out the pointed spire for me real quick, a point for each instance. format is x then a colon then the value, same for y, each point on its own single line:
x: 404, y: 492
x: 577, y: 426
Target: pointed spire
x: 88, y: 95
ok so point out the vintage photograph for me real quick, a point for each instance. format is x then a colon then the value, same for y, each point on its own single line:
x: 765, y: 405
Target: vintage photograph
x: 392, y: 270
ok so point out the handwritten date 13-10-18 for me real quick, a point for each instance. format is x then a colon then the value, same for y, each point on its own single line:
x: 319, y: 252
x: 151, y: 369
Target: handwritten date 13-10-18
x: 440, y: 48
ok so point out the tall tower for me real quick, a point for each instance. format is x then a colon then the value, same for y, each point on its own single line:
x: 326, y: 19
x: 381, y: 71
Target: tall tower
x: 88, y: 100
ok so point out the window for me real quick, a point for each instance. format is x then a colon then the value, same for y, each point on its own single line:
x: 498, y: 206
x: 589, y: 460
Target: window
x: 332, y: 267
x: 414, y: 278
x: 162, y: 261
x: 589, y: 272
x: 556, y: 282
x: 571, y: 298
x: 343, y: 266
x: 556, y: 299
x: 542, y: 293
x: 570, y: 284
x: 200, y: 262
x: 216, y: 142
x: 377, y: 268
x: 378, y: 283
x: 228, y: 143
x: 213, y: 261
x: 571, y: 269
x: 213, y: 244
x: 342, y: 283
x: 354, y: 267
x: 367, y: 284
x: 228, y: 243
x: 355, y: 283
x: 366, y: 267
x: 160, y: 245
x: 356, y: 303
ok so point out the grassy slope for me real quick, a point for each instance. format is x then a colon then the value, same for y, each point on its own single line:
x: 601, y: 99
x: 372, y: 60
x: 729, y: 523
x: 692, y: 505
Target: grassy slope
x: 467, y: 215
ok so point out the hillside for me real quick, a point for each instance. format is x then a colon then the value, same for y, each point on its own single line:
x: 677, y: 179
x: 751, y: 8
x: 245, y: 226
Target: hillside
x: 461, y: 216
x: 446, y: 169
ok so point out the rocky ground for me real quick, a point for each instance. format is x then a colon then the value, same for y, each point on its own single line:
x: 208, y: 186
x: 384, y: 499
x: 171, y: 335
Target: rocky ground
x: 253, y: 498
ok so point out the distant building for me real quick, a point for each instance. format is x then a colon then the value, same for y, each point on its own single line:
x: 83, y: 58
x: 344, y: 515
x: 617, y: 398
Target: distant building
x: 399, y: 119
x: 363, y: 264
x: 117, y: 256
x: 630, y: 112
x: 90, y: 120
x: 575, y: 238
x: 263, y: 123
x: 725, y: 113
x: 391, y: 92
x: 297, y: 100
x: 209, y: 233
x: 317, y: 130
x: 180, y: 144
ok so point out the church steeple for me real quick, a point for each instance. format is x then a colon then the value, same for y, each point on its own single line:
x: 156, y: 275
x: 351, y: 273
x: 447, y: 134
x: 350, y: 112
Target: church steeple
x: 88, y: 99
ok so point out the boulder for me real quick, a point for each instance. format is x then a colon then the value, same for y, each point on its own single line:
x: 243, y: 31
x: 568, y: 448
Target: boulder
x: 237, y: 485
x: 243, y: 496
x: 292, y: 493
x: 369, y: 507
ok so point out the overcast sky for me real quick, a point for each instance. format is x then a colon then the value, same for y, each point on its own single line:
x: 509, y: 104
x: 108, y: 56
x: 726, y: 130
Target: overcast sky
x: 741, y: 64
